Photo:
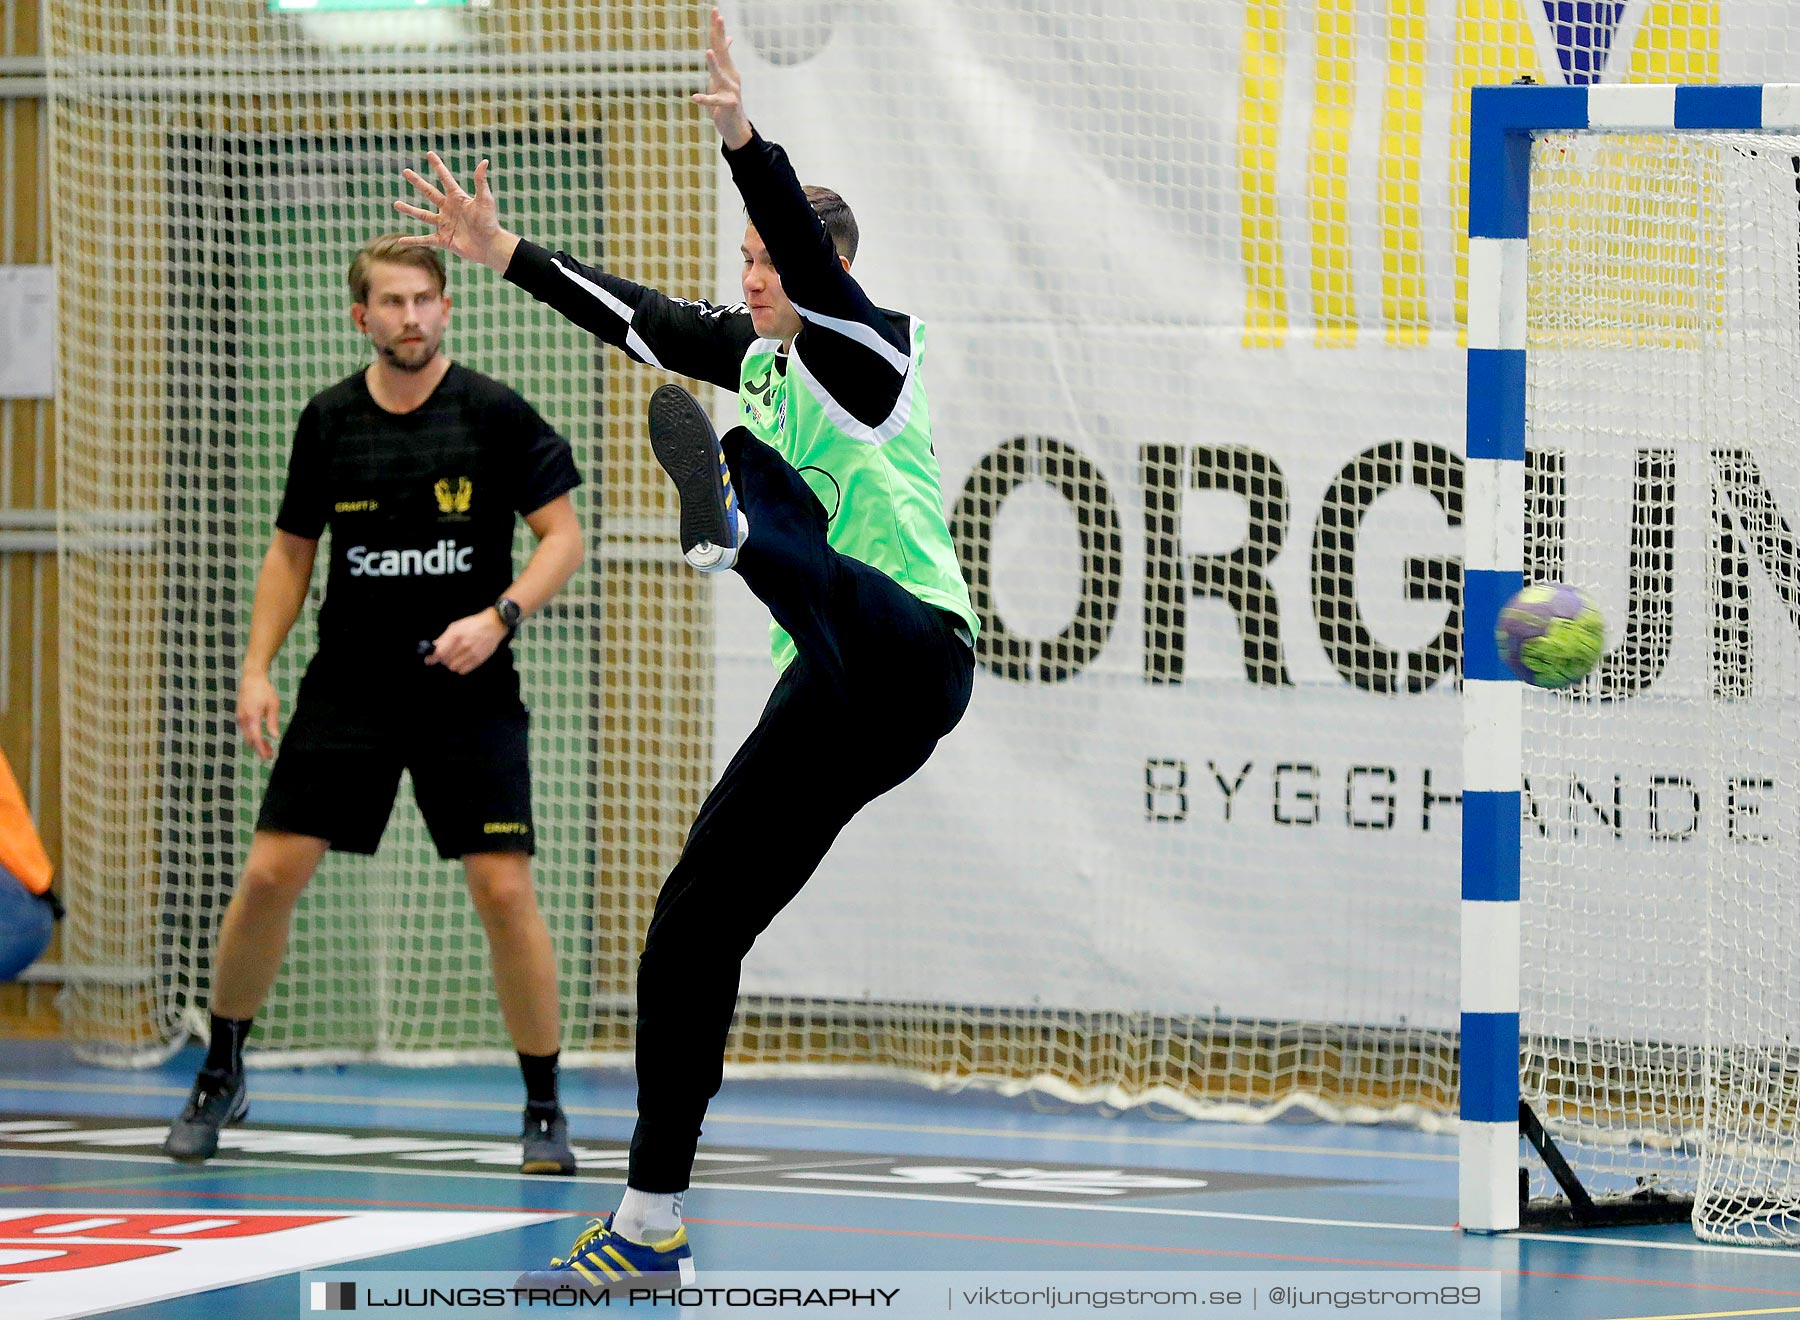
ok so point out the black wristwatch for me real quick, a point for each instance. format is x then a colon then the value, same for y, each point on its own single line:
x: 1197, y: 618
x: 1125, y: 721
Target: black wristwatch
x: 510, y: 613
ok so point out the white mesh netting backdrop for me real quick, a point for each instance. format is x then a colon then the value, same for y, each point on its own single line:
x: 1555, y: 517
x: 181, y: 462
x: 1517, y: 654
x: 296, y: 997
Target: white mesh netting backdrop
x: 1193, y: 284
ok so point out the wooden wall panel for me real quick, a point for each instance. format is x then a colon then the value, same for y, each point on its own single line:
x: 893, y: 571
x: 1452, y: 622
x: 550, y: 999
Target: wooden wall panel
x: 30, y: 734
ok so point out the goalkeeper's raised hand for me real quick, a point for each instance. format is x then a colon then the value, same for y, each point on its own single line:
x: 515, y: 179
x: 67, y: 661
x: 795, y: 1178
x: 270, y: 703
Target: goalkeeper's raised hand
x: 724, y: 88
x: 465, y: 223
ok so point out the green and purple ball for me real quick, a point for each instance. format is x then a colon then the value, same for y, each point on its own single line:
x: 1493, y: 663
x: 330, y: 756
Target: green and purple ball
x: 1550, y: 635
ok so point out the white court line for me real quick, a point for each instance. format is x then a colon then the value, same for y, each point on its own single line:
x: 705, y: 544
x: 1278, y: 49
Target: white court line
x: 850, y: 1162
x: 1710, y: 1248
x: 761, y: 1120
x: 1172, y: 1212
x: 709, y: 1185
x: 1168, y: 1212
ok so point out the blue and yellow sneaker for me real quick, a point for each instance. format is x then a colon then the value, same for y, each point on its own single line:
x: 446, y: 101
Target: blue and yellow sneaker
x: 681, y: 436
x: 601, y: 1261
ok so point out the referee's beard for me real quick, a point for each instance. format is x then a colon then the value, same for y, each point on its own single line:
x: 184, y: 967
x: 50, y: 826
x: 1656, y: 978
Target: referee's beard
x: 404, y: 356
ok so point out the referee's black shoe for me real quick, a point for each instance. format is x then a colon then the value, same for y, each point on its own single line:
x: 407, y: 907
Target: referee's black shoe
x: 712, y: 526
x: 544, y: 1144
x: 217, y: 1099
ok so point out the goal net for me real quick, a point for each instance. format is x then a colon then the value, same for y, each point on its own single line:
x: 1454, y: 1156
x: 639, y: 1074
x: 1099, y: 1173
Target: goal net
x: 1193, y: 284
x: 1660, y: 885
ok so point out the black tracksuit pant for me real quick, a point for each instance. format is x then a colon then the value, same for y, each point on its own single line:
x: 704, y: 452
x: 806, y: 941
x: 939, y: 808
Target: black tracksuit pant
x: 879, y: 678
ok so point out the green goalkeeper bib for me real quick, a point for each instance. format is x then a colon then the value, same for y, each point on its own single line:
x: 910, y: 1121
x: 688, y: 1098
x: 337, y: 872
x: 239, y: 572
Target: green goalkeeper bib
x: 879, y: 484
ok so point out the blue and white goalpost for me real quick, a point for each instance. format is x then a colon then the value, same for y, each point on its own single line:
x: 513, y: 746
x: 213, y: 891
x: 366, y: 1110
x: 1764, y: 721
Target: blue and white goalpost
x: 1631, y: 874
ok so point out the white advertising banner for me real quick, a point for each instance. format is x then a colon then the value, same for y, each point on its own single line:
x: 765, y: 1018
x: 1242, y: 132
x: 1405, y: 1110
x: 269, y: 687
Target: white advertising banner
x: 61, y: 1262
x: 1191, y: 287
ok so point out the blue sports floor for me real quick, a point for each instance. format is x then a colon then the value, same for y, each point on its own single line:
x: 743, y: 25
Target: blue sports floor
x: 794, y: 1176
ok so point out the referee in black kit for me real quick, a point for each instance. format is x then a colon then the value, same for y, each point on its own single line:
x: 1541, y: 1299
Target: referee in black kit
x: 419, y: 466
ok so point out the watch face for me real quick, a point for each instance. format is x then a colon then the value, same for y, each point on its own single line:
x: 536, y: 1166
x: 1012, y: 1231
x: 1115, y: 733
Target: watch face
x: 509, y: 612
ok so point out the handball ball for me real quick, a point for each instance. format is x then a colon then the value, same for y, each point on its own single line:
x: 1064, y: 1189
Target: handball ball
x: 1550, y: 635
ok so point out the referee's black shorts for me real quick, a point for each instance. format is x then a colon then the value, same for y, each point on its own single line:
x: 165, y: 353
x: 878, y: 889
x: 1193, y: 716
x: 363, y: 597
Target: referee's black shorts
x: 338, y: 768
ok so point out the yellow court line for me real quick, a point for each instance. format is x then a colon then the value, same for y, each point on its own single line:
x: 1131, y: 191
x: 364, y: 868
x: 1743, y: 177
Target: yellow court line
x: 216, y: 1171
x: 296, y: 1097
x: 1715, y: 1315
x: 759, y: 1120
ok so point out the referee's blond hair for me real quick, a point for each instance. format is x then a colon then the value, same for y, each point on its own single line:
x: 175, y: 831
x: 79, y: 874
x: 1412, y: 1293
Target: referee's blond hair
x: 388, y: 248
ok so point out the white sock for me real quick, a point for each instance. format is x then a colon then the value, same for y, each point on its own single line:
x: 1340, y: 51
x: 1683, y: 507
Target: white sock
x: 647, y: 1217
x: 719, y: 559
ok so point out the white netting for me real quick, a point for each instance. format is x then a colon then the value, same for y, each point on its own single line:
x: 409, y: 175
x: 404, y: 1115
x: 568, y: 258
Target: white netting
x: 215, y: 176
x: 1661, y: 986
x: 1193, y: 284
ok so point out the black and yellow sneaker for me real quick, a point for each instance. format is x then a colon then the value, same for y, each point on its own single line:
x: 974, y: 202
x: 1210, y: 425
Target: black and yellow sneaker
x: 602, y: 1261
x: 217, y: 1099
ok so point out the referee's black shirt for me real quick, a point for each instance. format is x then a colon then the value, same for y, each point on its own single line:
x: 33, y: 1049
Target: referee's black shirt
x: 422, y: 508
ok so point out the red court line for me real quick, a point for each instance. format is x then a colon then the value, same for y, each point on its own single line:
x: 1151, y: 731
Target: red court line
x: 367, y: 1203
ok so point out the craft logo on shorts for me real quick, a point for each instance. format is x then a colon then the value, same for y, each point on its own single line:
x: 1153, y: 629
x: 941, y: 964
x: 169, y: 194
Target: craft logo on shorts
x: 505, y: 827
x: 442, y: 560
x: 453, y: 496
